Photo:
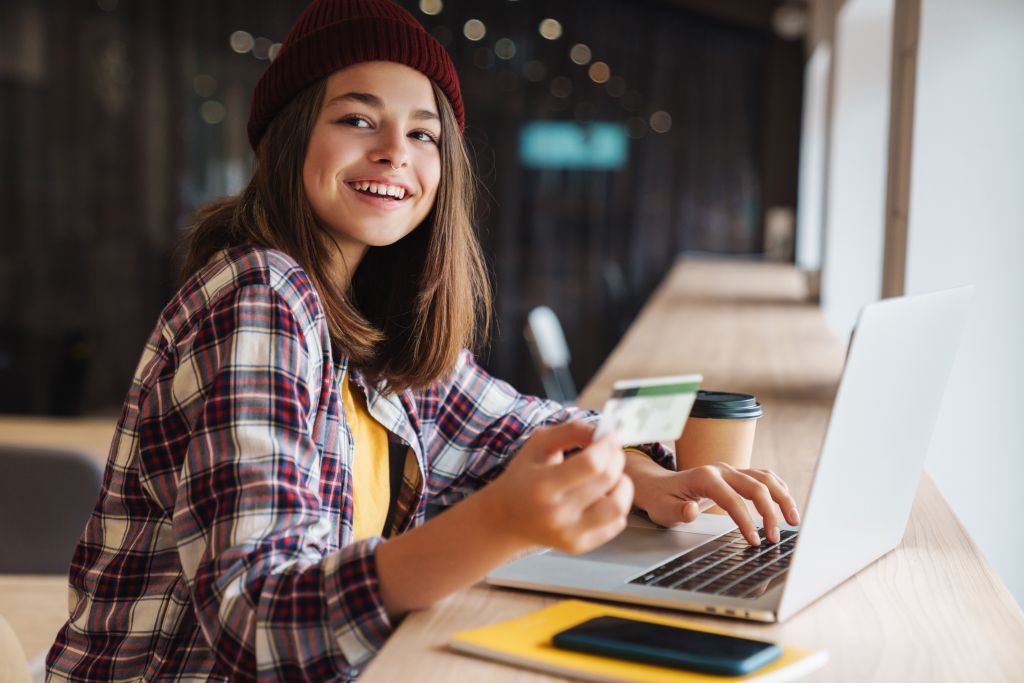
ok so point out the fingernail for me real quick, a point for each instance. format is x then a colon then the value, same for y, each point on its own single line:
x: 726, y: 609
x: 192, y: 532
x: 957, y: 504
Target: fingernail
x: 794, y: 515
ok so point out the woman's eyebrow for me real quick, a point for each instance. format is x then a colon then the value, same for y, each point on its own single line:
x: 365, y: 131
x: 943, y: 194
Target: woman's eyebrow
x: 371, y: 100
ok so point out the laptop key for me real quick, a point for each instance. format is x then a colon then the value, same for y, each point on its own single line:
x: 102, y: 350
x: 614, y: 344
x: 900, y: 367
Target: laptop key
x: 728, y: 568
x: 735, y: 590
x: 688, y: 585
x: 766, y: 585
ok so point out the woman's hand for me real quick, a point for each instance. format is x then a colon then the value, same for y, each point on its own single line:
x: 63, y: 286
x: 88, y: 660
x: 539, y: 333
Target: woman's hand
x: 672, y: 497
x: 572, y: 504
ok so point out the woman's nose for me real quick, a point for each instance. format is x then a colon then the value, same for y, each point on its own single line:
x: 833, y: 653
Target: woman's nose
x: 392, y: 150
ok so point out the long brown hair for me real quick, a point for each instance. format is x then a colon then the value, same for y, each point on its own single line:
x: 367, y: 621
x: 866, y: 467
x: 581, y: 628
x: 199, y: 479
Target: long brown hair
x: 411, y: 306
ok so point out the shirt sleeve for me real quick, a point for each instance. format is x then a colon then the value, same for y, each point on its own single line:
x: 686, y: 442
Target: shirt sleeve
x: 477, y: 423
x: 253, y: 538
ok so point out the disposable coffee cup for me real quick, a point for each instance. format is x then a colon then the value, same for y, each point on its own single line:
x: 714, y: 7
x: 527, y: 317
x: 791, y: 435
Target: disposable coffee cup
x: 720, y: 428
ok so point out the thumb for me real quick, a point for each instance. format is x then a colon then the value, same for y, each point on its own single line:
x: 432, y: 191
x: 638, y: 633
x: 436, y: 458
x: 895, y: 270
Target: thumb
x: 549, y: 441
x: 690, y: 511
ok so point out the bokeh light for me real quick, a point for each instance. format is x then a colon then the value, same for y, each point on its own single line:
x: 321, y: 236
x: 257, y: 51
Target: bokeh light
x: 241, y: 42
x: 661, y: 121
x: 599, y: 72
x: 431, y: 7
x: 505, y: 48
x: 551, y: 29
x: 474, y: 29
x: 580, y: 54
x: 212, y: 112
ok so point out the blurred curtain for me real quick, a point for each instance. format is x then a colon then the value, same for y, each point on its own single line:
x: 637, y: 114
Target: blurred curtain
x: 593, y: 244
x: 118, y: 118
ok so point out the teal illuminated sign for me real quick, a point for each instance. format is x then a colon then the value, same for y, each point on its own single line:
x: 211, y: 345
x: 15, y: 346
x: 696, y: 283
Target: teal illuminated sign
x: 563, y: 144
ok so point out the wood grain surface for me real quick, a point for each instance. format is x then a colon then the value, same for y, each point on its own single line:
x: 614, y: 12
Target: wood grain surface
x: 89, y: 435
x: 932, y: 610
x: 35, y: 607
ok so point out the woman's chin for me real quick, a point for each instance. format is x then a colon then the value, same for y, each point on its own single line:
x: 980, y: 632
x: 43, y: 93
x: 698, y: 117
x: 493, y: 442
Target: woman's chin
x: 384, y: 239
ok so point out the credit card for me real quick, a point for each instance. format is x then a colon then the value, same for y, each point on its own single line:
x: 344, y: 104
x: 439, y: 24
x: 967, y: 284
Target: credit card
x: 649, y: 410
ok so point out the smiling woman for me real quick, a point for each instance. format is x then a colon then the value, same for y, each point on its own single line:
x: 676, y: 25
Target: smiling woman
x: 373, y: 123
x: 308, y: 394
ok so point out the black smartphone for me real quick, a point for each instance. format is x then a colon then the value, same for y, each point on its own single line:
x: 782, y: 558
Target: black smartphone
x: 671, y: 646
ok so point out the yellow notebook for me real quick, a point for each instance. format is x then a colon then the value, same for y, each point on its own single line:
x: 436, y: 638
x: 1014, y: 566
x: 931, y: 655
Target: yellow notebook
x: 526, y: 642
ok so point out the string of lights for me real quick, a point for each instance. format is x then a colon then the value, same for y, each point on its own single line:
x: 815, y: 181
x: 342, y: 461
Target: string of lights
x: 503, y: 48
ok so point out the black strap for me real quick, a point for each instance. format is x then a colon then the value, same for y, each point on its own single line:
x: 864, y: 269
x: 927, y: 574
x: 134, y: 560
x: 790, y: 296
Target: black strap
x: 397, y: 453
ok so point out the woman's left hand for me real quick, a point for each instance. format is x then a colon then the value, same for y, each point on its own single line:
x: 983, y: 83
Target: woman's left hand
x: 669, y: 497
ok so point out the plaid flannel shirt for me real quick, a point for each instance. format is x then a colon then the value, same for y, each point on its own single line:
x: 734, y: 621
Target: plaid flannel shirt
x: 221, y: 545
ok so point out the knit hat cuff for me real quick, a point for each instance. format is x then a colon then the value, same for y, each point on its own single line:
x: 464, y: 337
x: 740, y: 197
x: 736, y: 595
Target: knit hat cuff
x: 344, y: 43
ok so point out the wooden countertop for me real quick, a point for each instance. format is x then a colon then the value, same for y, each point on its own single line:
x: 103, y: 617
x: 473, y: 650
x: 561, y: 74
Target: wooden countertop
x: 35, y: 607
x: 932, y: 610
x: 89, y: 435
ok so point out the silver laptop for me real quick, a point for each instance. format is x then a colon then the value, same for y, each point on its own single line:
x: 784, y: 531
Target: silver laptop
x: 889, y: 397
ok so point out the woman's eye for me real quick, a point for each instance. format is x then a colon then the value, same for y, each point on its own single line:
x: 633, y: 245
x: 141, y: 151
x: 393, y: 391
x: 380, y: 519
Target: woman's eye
x: 423, y: 136
x: 355, y: 122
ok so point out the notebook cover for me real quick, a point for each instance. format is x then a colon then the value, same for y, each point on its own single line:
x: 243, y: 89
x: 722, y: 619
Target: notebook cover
x: 526, y: 642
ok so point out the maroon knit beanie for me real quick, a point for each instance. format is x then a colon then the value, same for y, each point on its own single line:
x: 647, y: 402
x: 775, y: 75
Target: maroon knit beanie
x: 333, y: 34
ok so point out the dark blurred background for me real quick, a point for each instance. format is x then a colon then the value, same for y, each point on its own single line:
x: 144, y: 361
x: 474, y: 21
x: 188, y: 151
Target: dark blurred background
x: 608, y: 142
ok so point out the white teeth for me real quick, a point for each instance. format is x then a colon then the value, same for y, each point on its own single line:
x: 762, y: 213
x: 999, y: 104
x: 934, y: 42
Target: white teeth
x: 379, y: 188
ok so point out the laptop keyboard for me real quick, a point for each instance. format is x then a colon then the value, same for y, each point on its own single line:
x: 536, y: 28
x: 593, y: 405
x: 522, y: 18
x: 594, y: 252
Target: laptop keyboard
x: 727, y: 565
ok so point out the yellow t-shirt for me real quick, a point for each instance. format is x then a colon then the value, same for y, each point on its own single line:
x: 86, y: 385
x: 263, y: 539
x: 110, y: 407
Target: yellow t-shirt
x: 371, y: 484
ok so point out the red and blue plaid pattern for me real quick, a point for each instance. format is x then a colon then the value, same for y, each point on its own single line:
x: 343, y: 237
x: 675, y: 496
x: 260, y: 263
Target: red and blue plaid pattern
x: 221, y: 545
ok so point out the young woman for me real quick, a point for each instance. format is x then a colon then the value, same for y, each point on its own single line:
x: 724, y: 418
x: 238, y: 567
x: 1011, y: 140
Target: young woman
x: 307, y: 394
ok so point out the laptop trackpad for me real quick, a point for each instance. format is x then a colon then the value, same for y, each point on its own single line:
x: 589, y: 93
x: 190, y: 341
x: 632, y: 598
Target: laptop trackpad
x: 640, y: 547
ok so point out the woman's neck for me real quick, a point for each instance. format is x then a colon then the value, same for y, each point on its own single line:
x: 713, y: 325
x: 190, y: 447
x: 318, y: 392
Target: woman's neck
x: 346, y: 260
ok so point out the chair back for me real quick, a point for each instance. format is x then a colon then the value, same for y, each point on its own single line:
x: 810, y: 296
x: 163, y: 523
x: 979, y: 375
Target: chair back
x: 46, y: 497
x: 550, y: 354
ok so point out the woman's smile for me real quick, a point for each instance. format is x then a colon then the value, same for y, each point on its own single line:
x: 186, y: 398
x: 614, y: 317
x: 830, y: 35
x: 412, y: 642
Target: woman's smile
x: 380, y: 192
x: 379, y: 188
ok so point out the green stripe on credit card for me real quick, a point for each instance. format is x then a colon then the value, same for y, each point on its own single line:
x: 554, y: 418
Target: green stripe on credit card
x: 648, y: 410
x: 656, y: 390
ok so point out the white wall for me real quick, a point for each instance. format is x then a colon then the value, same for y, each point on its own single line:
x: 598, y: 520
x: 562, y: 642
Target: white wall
x: 858, y: 162
x: 967, y: 225
x: 810, y: 217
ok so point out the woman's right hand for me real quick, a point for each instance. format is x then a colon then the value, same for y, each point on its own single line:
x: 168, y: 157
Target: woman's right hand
x: 542, y: 498
x: 571, y: 504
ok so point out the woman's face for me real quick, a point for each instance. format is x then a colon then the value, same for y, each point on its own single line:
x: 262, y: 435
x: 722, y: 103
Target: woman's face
x: 373, y: 163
